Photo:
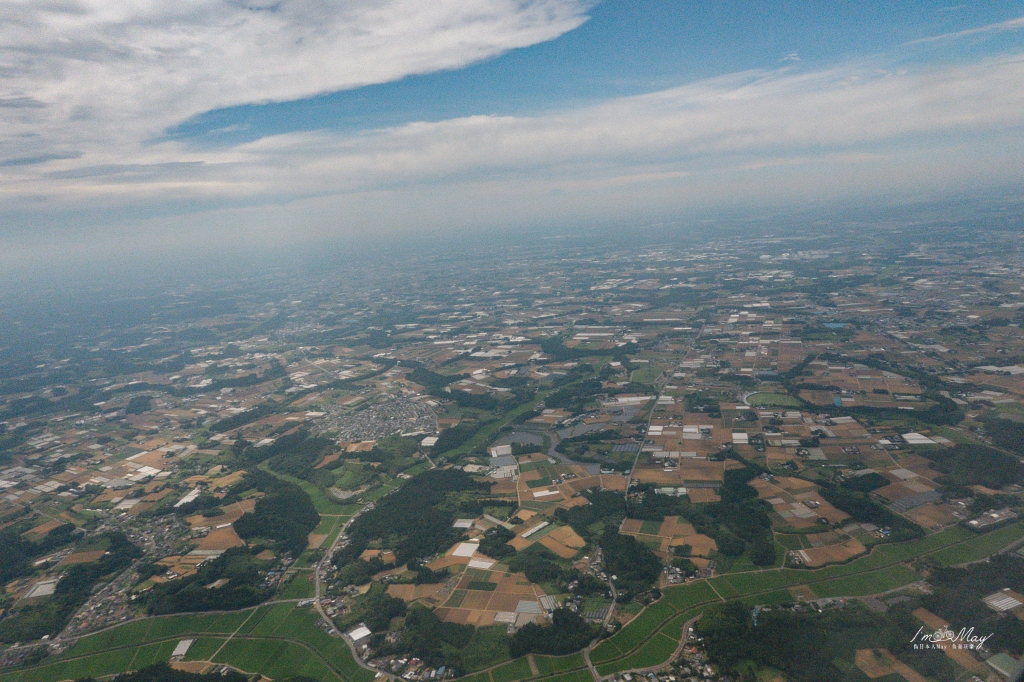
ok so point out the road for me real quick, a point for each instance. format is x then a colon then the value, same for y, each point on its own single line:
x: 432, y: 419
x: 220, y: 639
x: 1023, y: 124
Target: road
x: 659, y: 384
x: 607, y: 620
x: 319, y: 607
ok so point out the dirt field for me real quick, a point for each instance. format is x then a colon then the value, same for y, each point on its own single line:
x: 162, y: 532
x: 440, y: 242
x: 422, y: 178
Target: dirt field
x: 961, y: 657
x: 803, y: 593
x: 232, y: 513
x: 42, y: 529
x: 673, y: 532
x: 198, y: 667
x: 699, y: 495
x: 882, y: 663
x: 818, y: 556
x: 479, y: 607
x: 83, y: 557
x: 932, y: 516
x: 221, y: 538
x: 631, y: 526
x: 563, y: 541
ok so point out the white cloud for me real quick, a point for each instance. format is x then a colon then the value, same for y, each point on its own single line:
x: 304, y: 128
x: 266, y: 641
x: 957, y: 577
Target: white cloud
x: 745, y: 121
x: 100, y: 77
x: 750, y: 137
x: 999, y: 27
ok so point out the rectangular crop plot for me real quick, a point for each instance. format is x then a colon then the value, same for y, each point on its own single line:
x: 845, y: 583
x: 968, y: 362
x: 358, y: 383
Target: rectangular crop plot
x: 518, y: 669
x: 548, y: 665
x: 203, y: 648
x: 655, y: 652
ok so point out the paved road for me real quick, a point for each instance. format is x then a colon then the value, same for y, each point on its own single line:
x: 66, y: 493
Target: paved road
x: 607, y: 619
x: 319, y: 607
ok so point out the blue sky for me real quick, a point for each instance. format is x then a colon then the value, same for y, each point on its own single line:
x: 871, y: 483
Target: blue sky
x: 628, y: 47
x: 160, y: 126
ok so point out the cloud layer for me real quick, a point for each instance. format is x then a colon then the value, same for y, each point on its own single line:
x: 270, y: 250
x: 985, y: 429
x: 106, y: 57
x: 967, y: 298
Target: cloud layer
x: 103, y: 76
x: 88, y: 88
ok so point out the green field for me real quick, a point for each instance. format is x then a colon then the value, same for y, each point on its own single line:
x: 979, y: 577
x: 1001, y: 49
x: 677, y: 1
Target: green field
x: 518, y: 669
x: 772, y: 400
x: 281, y: 640
x: 549, y: 665
x: 277, y: 641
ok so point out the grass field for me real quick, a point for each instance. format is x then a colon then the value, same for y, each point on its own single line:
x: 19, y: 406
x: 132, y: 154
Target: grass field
x: 981, y: 547
x: 279, y: 641
x: 518, y: 669
x: 549, y: 665
x: 299, y: 587
x: 772, y: 400
x: 282, y: 641
x: 321, y: 500
x: 655, y: 651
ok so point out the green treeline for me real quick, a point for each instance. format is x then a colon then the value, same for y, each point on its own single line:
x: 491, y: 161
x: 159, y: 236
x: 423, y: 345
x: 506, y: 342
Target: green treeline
x: 414, y: 521
x: 284, y: 514
x: 862, y: 508
x: 48, y: 618
x: 17, y: 553
x: 246, y: 586
x: 964, y: 465
x: 634, y: 565
x: 808, y: 646
x: 567, y: 633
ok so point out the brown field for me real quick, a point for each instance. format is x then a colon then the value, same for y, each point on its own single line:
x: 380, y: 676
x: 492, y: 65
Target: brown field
x: 929, y: 619
x: 83, y: 557
x: 504, y: 487
x: 557, y: 547
x: 574, y: 502
x: 882, y: 663
x: 824, y: 509
x: 822, y: 539
x: 479, y: 607
x: 327, y: 460
x: 794, y: 485
x: 232, y: 513
x: 412, y: 592
x: 818, y: 556
x: 699, y: 495
x: 961, y: 657
x: 674, y: 532
x: 803, y: 593
x: 932, y: 516
x: 568, y: 537
x: 157, y: 496
x: 919, y: 465
x: 198, y: 667
x: 42, y: 529
x: 674, y: 526
x: 221, y: 538
x: 447, y: 562
x: 613, y: 482
x: 152, y: 459
x: 631, y: 526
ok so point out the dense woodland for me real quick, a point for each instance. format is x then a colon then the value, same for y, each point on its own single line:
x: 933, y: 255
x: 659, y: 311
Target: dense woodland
x: 32, y: 621
x: 284, y: 515
x: 246, y: 586
x: 415, y: 521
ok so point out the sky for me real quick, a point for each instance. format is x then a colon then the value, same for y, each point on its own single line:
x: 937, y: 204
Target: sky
x: 130, y: 127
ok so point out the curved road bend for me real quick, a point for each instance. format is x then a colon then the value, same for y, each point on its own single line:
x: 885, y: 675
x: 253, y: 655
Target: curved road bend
x: 319, y: 607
